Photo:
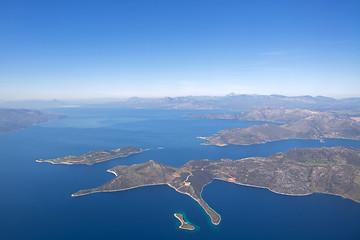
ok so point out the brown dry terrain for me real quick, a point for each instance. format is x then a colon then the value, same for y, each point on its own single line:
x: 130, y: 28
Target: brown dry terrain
x: 296, y: 172
x: 296, y: 124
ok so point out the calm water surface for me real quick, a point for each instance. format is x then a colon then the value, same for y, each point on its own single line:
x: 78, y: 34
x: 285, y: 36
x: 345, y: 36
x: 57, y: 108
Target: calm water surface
x: 35, y: 198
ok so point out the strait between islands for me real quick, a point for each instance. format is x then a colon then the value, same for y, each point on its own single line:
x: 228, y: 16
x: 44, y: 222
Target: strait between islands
x: 299, y: 172
x: 333, y: 170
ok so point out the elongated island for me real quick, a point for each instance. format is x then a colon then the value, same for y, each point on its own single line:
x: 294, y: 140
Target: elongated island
x: 334, y: 170
x: 95, y: 156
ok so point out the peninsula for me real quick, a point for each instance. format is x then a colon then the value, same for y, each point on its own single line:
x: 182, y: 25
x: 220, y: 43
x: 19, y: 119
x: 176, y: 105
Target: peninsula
x: 295, y: 124
x: 183, y: 224
x: 16, y: 119
x: 95, y: 156
x: 333, y: 170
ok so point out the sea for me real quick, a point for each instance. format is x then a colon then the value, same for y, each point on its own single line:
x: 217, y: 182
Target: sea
x: 36, y: 202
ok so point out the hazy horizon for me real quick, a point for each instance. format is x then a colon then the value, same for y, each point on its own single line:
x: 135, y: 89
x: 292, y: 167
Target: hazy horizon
x: 120, y: 49
x: 108, y: 99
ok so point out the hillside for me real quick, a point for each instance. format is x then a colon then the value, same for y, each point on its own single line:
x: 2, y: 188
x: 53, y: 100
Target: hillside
x: 15, y: 119
x: 296, y: 172
x: 297, y: 124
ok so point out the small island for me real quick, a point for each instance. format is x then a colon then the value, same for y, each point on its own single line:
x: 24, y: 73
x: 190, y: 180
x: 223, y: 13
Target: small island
x: 183, y: 224
x: 95, y: 156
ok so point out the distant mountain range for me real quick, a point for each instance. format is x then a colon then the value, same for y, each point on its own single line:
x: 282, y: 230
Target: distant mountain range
x: 231, y: 102
x: 236, y: 102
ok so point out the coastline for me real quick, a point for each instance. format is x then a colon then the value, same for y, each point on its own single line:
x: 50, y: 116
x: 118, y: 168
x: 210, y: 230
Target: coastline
x: 196, y: 193
x: 115, y: 190
x: 67, y: 163
x: 289, y: 194
x: 183, y: 222
x: 113, y: 172
x: 201, y: 202
x: 83, y: 162
x: 201, y: 205
x: 208, y: 143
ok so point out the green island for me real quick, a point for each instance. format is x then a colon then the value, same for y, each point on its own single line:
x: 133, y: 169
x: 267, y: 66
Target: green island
x: 334, y: 170
x: 294, y: 124
x: 183, y: 224
x: 95, y: 156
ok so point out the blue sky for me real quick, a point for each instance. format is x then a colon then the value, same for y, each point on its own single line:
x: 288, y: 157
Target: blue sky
x: 70, y: 49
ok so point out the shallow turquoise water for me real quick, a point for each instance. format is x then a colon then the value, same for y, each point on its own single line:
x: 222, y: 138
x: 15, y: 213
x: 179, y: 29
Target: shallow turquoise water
x: 35, y: 198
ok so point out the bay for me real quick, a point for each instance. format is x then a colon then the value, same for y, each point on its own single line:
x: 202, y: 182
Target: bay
x: 35, y: 198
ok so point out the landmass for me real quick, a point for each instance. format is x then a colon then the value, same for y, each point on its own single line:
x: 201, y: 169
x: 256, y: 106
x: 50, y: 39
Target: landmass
x: 16, y: 119
x: 241, y: 102
x: 299, y: 172
x: 295, y: 124
x: 95, y: 156
x: 265, y: 114
x: 232, y: 102
x: 183, y: 223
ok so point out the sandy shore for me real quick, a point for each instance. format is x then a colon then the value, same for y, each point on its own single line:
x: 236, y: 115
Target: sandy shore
x: 183, y: 223
x: 110, y: 171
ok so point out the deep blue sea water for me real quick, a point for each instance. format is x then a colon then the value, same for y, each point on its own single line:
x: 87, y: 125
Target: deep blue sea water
x: 35, y: 200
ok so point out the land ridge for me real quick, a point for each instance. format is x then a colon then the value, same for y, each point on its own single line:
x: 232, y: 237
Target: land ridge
x: 295, y: 124
x: 95, y: 156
